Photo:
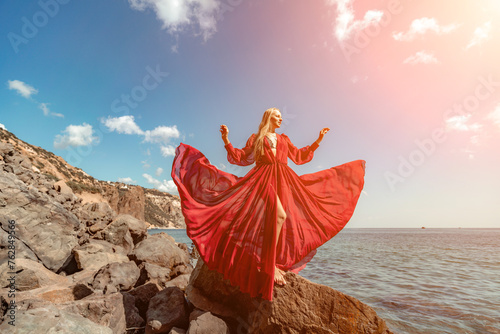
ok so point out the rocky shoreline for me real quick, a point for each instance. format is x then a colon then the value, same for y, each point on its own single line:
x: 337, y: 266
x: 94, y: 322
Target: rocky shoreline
x: 72, y: 267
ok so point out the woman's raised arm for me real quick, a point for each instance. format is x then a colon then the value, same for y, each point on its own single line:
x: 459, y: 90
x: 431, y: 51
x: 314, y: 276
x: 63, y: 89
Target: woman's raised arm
x: 237, y: 156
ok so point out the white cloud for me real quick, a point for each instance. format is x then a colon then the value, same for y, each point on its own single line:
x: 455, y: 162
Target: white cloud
x: 22, y: 88
x: 45, y: 109
x: 47, y: 112
x: 345, y: 25
x: 421, y: 57
x: 167, y: 151
x: 495, y: 116
x: 460, y: 123
x: 76, y: 135
x: 145, y: 164
x: 123, y: 124
x: 127, y: 180
x: 161, y: 134
x: 420, y: 27
x: 2, y: 126
x: 481, y: 34
x: 165, y: 185
x: 159, y: 171
x: 178, y: 14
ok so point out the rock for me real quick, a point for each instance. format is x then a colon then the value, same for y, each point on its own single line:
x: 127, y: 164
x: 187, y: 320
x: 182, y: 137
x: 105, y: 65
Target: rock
x: 167, y: 309
x: 176, y: 330
x: 116, y: 277
x: 138, y: 228
x: 298, y: 307
x: 154, y: 273
x: 118, y: 234
x: 98, y: 253
x: 159, y: 249
x: 181, y: 282
x: 95, y: 213
x: 106, y: 310
x: 207, y: 323
x: 49, y: 319
x: 195, y: 314
x: 133, y: 318
x: 181, y: 269
x: 143, y: 295
x: 30, y: 275
x: 22, y: 251
x: 63, y: 188
x: 44, y: 225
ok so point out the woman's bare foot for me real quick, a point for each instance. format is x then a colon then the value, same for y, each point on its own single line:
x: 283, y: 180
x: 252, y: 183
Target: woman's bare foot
x: 279, y: 276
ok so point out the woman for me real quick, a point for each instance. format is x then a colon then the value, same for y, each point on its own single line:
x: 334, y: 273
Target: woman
x: 253, y: 228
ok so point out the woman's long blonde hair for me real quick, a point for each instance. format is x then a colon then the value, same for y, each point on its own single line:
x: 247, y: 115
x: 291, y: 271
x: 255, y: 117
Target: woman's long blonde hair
x: 258, y: 148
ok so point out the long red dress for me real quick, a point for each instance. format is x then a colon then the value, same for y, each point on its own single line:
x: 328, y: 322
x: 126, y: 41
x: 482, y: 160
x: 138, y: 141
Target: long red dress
x: 233, y: 220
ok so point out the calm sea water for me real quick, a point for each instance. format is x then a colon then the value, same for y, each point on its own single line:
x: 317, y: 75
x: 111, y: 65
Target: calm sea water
x: 419, y: 280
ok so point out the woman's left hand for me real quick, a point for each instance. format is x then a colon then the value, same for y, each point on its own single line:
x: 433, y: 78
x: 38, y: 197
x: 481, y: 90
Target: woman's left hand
x: 322, y: 134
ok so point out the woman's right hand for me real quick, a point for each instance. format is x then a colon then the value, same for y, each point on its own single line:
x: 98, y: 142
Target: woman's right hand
x: 224, y: 133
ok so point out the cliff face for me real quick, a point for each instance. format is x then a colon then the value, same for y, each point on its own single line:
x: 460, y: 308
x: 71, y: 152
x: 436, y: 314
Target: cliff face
x: 155, y: 207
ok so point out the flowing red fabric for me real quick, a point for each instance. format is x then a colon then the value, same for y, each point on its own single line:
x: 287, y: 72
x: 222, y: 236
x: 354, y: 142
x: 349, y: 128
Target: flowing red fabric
x: 233, y: 220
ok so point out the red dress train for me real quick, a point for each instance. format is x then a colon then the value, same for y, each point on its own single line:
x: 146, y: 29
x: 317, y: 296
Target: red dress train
x: 233, y: 220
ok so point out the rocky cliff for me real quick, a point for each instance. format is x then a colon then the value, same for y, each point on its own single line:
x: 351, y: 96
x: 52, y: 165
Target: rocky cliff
x: 158, y: 209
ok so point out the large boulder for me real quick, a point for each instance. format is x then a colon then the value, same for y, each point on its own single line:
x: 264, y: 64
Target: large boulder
x: 116, y: 277
x: 159, y: 249
x: 207, y: 323
x: 106, y: 310
x: 22, y: 251
x: 49, y: 319
x: 138, y: 228
x: 143, y: 295
x: 167, y: 309
x: 153, y: 273
x: 118, y: 234
x: 30, y: 275
x: 96, y: 213
x: 42, y: 224
x: 300, y: 306
x: 98, y: 253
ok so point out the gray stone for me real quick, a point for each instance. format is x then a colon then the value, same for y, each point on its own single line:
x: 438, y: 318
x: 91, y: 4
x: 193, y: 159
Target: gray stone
x: 48, y: 229
x: 167, y: 309
x: 207, y: 323
x: 143, y: 295
x: 159, y: 249
x: 30, y: 275
x: 116, y: 277
x: 154, y: 273
x: 138, y: 229
x: 98, y: 253
x: 181, y: 282
x: 134, y: 319
x: 49, y: 319
x: 106, y: 310
x: 117, y: 233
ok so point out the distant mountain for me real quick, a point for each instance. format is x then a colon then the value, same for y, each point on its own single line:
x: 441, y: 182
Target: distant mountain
x: 159, y: 209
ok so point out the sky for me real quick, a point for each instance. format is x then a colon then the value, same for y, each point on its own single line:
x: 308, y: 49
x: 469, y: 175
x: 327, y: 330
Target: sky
x: 412, y: 87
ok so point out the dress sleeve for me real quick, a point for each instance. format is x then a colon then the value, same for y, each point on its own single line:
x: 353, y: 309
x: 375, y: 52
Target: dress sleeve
x: 302, y: 155
x: 241, y: 157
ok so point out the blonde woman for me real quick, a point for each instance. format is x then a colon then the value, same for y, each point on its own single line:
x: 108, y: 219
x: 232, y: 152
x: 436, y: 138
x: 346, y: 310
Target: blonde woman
x: 253, y: 229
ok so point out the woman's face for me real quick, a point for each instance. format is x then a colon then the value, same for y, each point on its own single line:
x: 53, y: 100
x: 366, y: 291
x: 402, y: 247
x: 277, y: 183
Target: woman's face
x: 276, y: 119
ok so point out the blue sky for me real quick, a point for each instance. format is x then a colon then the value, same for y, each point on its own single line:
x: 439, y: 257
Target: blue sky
x: 114, y: 86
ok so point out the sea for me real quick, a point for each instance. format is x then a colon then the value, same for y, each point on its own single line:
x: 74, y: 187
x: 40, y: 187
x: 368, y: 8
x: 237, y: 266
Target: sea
x: 431, y: 281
